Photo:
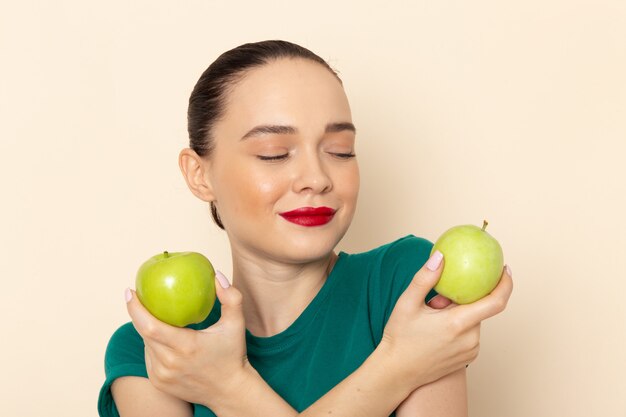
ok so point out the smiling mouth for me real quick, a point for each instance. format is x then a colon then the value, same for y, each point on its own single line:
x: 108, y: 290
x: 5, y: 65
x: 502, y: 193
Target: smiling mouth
x: 309, y: 216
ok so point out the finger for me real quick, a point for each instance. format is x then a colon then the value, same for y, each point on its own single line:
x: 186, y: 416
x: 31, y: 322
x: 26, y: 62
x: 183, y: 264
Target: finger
x: 491, y: 304
x: 439, y: 302
x: 153, y: 366
x: 149, y: 327
x: 148, y: 359
x: 426, y: 278
x: 230, y: 300
x: 474, y: 335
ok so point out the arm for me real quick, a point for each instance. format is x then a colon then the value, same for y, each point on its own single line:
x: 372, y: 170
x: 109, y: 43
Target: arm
x: 420, y: 345
x: 136, y: 396
x: 370, y: 391
x: 446, y: 397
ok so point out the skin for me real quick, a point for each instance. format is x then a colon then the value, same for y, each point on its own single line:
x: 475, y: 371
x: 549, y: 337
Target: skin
x: 278, y: 267
x: 274, y: 261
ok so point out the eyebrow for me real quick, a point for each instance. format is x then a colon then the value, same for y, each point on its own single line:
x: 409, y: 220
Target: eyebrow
x: 290, y: 130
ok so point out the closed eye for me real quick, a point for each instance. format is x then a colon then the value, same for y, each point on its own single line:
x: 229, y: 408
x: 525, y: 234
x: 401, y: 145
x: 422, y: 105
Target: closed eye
x: 343, y: 155
x: 272, y: 157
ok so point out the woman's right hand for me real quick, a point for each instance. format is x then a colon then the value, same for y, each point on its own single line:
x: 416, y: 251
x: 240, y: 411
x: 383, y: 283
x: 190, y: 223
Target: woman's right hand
x: 423, y: 344
x: 196, y: 366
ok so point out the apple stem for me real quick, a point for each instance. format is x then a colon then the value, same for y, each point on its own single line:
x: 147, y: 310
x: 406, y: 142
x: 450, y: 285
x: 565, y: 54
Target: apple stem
x: 165, y: 254
x: 485, y: 223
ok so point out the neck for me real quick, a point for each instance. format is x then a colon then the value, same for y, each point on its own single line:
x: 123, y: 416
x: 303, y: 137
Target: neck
x: 275, y: 294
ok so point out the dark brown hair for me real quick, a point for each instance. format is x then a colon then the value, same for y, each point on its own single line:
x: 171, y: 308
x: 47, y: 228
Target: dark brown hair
x: 208, y: 98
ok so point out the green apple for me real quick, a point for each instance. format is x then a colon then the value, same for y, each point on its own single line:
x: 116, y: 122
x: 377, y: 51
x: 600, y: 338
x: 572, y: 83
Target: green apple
x: 177, y: 288
x: 473, y: 263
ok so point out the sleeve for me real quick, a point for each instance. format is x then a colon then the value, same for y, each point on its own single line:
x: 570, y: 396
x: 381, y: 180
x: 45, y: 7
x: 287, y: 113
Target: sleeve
x: 124, y: 357
x: 392, y: 272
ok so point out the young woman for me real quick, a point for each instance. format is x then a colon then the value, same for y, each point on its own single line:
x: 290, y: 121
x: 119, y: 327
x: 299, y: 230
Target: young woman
x: 302, y: 329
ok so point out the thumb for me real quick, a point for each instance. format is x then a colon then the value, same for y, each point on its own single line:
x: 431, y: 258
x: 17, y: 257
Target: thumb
x: 145, y: 323
x: 426, y: 278
x: 230, y: 299
x: 138, y: 314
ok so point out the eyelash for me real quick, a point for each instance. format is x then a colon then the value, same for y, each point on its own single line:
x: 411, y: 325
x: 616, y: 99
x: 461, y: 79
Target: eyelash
x: 272, y: 158
x: 284, y: 156
x: 344, y: 155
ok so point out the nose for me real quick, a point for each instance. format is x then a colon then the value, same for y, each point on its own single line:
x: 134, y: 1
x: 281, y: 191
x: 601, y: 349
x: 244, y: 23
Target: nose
x: 312, y: 175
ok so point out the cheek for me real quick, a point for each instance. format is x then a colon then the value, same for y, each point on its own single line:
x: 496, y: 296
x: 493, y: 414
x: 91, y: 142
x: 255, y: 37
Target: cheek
x: 251, y: 191
x: 350, y: 184
x: 266, y: 186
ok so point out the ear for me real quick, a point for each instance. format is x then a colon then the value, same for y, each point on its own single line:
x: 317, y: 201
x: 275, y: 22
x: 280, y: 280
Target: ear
x: 194, y: 169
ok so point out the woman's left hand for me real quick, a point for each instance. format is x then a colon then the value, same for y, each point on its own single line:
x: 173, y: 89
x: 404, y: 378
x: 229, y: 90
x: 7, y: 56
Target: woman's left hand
x: 198, y: 366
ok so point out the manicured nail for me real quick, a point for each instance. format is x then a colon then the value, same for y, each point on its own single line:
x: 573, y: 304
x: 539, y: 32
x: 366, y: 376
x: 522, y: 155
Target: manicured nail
x: 434, y: 261
x: 128, y: 295
x: 508, y: 270
x: 222, y: 279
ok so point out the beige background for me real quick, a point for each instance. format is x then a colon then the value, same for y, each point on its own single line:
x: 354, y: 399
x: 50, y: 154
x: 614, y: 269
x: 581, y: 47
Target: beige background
x: 510, y: 111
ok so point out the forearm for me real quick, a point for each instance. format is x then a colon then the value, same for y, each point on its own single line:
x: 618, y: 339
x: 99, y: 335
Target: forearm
x: 373, y: 390
x: 252, y: 397
x: 445, y: 397
x: 370, y: 391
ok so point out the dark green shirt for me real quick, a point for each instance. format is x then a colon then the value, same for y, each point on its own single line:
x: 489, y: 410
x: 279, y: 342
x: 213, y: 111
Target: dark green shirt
x: 332, y: 337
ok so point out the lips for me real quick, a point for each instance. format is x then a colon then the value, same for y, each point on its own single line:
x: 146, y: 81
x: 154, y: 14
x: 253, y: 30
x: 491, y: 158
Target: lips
x: 309, y: 216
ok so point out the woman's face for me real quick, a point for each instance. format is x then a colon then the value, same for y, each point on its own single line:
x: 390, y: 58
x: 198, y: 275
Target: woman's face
x: 285, y: 143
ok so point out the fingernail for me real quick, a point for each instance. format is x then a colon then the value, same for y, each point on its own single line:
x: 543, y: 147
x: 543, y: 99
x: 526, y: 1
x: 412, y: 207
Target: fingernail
x: 508, y: 270
x: 128, y: 295
x: 434, y: 261
x: 222, y: 279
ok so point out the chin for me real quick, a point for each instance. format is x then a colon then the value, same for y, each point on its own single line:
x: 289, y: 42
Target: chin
x: 312, y: 245
x: 289, y: 243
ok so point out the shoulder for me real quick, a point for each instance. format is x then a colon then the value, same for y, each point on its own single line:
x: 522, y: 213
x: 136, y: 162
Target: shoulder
x: 402, y: 258
x: 125, y: 347
x: 405, y: 256
x: 406, y: 253
x: 382, y: 274
x: 409, y: 248
x: 124, y: 357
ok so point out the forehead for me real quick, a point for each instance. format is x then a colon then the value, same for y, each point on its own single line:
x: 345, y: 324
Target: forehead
x: 293, y: 91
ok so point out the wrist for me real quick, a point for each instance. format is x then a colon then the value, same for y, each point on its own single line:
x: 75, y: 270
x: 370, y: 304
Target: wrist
x: 389, y: 374
x: 247, y: 393
x: 225, y: 393
x: 405, y: 378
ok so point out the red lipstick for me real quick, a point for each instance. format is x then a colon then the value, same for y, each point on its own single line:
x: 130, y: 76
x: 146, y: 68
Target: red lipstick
x: 309, y: 216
